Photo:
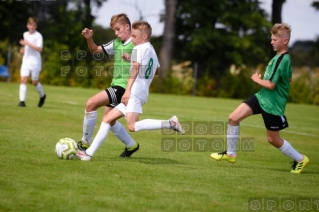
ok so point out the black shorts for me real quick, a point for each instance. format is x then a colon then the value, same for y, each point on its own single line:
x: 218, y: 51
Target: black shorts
x: 272, y: 122
x: 115, y: 94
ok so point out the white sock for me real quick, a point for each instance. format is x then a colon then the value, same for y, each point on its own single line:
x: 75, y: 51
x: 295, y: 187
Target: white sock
x: 88, y: 126
x: 151, y: 124
x: 22, y: 92
x: 99, y: 138
x: 121, y: 133
x: 40, y: 89
x: 289, y: 151
x: 232, y: 139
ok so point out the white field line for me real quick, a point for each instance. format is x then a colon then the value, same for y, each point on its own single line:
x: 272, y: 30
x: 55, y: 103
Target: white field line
x: 287, y: 131
x: 71, y: 102
x: 243, y: 124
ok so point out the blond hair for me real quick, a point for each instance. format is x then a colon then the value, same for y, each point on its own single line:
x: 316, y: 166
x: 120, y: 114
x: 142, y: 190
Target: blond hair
x: 281, y: 29
x: 120, y: 18
x: 144, y: 27
x: 32, y: 20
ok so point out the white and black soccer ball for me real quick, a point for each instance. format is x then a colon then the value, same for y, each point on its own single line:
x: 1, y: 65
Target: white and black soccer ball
x: 66, y: 149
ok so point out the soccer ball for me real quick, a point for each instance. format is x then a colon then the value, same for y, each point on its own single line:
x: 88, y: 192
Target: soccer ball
x: 66, y: 149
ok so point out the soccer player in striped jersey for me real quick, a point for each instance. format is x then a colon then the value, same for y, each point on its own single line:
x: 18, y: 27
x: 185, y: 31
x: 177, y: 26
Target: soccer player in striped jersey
x: 270, y: 102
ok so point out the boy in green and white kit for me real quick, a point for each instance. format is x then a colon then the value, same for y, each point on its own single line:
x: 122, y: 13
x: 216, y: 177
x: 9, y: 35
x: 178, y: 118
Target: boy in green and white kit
x: 144, y: 65
x: 270, y: 102
x: 120, y: 48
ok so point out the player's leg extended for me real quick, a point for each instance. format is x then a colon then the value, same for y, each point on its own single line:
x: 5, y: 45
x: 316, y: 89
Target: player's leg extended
x: 105, y: 127
x: 131, y: 119
x: 134, y: 108
x: 299, y: 160
x: 120, y: 132
x: 240, y: 113
x: 233, y: 128
x: 90, y: 115
x: 112, y: 115
x: 38, y: 86
x: 153, y: 124
x: 131, y: 145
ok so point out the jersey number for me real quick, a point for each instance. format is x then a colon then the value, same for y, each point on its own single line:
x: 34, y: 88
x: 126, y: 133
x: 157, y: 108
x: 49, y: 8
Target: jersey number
x: 149, y: 69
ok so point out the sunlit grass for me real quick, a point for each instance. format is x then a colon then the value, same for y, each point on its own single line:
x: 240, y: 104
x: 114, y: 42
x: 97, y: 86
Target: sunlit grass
x: 34, y: 179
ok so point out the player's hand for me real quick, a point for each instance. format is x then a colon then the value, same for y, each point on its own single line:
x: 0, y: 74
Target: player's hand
x: 255, y: 77
x: 127, y: 57
x: 125, y: 97
x: 22, y: 50
x: 87, y: 33
x: 23, y: 42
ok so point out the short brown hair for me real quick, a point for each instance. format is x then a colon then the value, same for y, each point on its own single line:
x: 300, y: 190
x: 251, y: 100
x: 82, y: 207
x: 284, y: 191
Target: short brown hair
x: 281, y: 29
x: 32, y: 20
x: 122, y: 18
x: 144, y: 27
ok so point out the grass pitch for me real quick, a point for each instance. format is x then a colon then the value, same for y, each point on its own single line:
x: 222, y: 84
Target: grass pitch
x: 154, y: 178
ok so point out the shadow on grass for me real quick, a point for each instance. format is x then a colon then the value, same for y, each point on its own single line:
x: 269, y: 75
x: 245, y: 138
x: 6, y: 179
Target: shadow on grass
x: 307, y: 170
x: 154, y: 161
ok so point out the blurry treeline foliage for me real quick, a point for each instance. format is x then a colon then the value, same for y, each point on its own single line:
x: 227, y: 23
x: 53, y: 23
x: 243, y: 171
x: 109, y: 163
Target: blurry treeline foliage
x: 227, y: 40
x: 218, y: 34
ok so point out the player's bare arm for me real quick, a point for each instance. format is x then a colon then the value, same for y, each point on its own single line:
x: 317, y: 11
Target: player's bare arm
x: 256, y: 77
x: 133, y: 74
x: 33, y: 46
x: 126, y: 57
x: 88, y: 35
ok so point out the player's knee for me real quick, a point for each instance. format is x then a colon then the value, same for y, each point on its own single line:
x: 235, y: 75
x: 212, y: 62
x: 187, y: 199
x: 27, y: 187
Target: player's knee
x: 90, y: 105
x: 111, y: 122
x: 131, y: 127
x: 108, y: 121
x: 232, y: 119
x: 35, y: 83
x: 271, y: 139
x: 24, y: 80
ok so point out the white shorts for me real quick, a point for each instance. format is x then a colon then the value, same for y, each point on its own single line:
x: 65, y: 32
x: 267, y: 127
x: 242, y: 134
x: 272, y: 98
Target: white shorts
x: 35, y: 72
x: 134, y: 105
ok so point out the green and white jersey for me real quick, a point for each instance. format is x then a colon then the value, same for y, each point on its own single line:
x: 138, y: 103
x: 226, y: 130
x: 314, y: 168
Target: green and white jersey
x: 121, y: 70
x: 145, y: 55
x: 279, y: 72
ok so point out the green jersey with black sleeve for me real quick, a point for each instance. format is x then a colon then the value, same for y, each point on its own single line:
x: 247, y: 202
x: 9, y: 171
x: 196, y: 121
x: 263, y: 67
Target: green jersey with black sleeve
x: 279, y: 72
x: 121, y: 70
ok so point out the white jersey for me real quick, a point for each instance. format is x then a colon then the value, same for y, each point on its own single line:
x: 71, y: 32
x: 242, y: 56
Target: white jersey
x: 31, y: 57
x: 146, y: 56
